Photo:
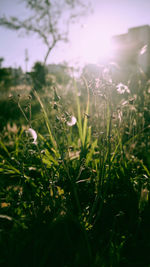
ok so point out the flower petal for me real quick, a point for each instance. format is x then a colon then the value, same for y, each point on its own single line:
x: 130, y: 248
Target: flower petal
x: 72, y: 121
x: 32, y: 134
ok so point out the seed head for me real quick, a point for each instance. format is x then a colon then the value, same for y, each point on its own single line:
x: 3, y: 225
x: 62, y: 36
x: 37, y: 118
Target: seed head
x: 31, y: 133
x: 72, y: 121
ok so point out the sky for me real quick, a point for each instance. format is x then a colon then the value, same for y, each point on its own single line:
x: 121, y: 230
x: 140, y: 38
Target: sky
x: 89, y: 42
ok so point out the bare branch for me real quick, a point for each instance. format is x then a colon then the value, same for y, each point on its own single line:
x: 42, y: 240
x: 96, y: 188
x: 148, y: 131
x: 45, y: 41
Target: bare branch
x: 45, y: 20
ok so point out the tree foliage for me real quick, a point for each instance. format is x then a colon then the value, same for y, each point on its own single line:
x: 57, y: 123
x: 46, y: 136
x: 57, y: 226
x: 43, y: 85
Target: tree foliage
x: 49, y: 20
x: 5, y: 79
x: 38, y: 75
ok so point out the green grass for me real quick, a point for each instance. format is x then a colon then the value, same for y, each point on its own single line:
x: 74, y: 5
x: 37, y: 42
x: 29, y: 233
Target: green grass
x: 80, y: 195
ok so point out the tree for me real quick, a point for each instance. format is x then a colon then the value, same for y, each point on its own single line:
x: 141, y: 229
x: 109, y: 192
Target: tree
x: 60, y: 72
x: 1, y: 60
x: 38, y: 75
x: 5, y: 79
x: 49, y: 20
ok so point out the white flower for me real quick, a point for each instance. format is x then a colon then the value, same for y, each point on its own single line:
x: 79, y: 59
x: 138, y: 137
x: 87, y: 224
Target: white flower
x: 97, y: 83
x: 31, y: 133
x: 79, y: 94
x: 143, y: 50
x: 107, y: 75
x: 121, y: 89
x: 72, y: 121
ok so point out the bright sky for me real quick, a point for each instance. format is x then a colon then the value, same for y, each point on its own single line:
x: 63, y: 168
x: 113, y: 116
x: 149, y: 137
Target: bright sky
x: 89, y: 43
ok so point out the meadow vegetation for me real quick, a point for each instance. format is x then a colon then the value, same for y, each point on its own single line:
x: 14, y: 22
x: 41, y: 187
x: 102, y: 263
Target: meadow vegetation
x: 74, y: 173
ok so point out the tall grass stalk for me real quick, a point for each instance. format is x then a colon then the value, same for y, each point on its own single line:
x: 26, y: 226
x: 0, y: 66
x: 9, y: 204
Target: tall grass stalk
x: 52, y: 139
x: 84, y: 132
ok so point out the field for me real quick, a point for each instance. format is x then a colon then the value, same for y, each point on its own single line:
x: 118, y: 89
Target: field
x: 75, y: 175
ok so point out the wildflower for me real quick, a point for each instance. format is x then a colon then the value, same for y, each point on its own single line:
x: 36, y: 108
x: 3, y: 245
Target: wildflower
x: 143, y: 50
x: 31, y: 133
x: 97, y: 83
x: 131, y: 100
x: 29, y: 97
x: 72, y: 121
x: 124, y: 103
x: 121, y: 89
x: 144, y: 194
x: 86, y: 115
x: 56, y: 96
x: 55, y: 106
x: 120, y: 115
x: 107, y: 75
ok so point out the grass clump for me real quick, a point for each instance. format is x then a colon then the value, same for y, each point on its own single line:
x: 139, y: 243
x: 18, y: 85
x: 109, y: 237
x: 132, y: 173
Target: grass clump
x: 75, y: 192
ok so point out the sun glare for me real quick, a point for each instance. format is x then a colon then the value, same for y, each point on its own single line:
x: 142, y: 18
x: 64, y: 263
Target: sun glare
x: 95, y: 44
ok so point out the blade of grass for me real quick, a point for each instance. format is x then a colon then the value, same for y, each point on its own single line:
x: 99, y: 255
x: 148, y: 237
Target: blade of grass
x: 87, y: 112
x: 79, y: 122
x: 2, y: 145
x: 52, y: 140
